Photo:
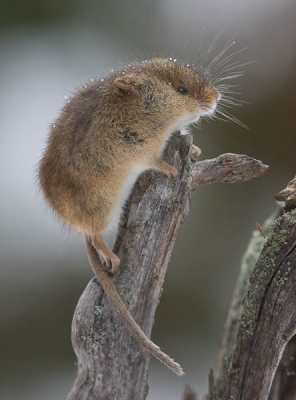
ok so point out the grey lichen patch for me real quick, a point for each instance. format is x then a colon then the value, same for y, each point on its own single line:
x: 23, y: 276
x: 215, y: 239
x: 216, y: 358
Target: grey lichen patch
x: 227, y: 363
x: 187, y: 174
x: 251, y: 255
x: 281, y: 280
x: 237, y: 312
x: 89, y: 340
x: 265, y: 265
x: 263, y: 272
x: 286, y: 335
x: 258, y: 272
x: 124, y: 281
x: 255, y: 247
x: 98, y: 310
x: 268, y: 260
x: 283, y: 235
x: 248, y: 317
x: 283, y: 231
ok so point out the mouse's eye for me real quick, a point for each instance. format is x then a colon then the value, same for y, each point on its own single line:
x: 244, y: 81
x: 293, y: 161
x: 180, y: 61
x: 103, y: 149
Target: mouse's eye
x: 182, y: 90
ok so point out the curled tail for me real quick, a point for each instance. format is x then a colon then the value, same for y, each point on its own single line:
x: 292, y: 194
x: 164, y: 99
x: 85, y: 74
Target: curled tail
x: 119, y: 306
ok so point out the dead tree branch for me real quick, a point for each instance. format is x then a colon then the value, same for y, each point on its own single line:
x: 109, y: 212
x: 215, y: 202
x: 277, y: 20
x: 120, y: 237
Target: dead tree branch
x: 111, y: 363
x: 257, y: 358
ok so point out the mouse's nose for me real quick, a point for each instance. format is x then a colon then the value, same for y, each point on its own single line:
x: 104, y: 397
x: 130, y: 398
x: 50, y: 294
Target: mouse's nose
x: 218, y: 95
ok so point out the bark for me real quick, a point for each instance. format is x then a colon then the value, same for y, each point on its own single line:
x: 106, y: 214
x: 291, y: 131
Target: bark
x: 111, y: 363
x: 257, y: 357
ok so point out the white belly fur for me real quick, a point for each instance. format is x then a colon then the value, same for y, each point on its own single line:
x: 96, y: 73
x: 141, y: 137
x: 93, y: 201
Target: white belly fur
x: 125, y: 193
x: 130, y: 182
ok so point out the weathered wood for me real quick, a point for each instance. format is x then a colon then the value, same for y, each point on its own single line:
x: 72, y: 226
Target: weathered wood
x: 288, y: 195
x: 111, y: 363
x: 227, y: 168
x: 235, y: 310
x: 259, y: 329
x: 284, y: 383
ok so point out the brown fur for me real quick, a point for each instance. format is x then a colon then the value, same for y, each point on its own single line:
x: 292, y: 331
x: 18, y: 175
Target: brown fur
x: 108, y: 132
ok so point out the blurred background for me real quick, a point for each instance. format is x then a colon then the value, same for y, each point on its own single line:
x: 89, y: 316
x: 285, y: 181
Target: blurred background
x: 47, y: 49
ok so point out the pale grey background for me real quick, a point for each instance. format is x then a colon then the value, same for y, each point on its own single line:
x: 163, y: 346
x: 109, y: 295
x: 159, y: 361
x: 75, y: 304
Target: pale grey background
x: 49, y: 48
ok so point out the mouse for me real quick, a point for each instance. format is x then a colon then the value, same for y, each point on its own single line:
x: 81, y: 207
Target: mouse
x: 107, y: 134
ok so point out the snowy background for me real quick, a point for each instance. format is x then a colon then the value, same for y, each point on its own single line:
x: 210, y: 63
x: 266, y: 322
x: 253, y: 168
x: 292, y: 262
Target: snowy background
x: 49, y: 48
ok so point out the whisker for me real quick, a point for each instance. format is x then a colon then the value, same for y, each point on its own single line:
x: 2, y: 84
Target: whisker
x: 226, y: 96
x: 234, y: 102
x: 227, y: 91
x: 218, y: 118
x: 222, y: 68
x: 228, y: 77
x: 231, y: 105
x: 197, y: 125
x: 224, y: 77
x: 206, y: 53
x: 234, y: 63
x: 228, y: 45
x: 200, y: 40
x: 208, y: 117
x: 228, y: 58
x: 231, y: 68
x: 228, y: 67
x: 226, y: 114
x: 226, y: 86
x: 215, y: 40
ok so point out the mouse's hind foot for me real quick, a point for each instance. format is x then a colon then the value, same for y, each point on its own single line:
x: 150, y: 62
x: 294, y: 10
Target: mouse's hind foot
x: 111, y: 260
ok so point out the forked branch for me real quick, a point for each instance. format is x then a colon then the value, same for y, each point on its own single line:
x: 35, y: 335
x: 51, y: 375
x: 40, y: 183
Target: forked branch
x: 111, y: 363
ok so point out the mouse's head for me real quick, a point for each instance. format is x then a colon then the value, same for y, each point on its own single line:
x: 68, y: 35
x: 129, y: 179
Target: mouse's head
x: 173, y: 95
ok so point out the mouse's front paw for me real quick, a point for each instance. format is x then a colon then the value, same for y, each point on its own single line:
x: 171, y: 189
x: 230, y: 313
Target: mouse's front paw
x: 171, y: 174
x: 195, y: 152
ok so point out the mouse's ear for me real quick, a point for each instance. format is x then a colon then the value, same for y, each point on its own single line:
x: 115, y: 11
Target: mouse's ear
x: 127, y: 85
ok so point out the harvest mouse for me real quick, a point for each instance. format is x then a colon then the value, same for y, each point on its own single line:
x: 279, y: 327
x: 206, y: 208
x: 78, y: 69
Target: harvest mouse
x: 107, y: 134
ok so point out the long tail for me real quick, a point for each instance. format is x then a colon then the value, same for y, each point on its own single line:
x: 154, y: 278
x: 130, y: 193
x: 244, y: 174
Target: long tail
x: 125, y: 315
